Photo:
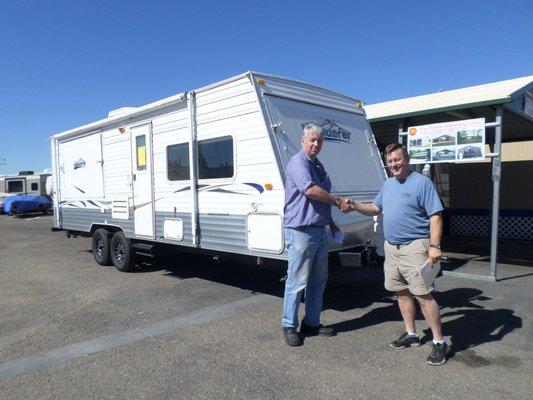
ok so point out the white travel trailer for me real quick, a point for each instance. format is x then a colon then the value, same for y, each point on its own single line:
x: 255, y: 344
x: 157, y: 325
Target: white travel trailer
x: 25, y: 182
x: 205, y: 169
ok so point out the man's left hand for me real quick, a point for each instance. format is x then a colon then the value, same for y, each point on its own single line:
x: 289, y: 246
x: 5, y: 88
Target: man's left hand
x: 434, y: 255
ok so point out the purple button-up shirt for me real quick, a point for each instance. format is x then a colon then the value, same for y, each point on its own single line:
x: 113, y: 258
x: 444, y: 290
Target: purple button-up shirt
x: 301, y: 211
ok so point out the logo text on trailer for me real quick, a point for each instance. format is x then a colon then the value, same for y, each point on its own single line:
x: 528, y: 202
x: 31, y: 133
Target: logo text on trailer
x: 332, y: 131
x: 79, y: 164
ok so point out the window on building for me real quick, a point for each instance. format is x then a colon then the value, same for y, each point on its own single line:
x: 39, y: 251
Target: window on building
x: 178, y: 162
x: 15, y: 186
x: 140, y: 144
x: 215, y: 158
x: 34, y: 186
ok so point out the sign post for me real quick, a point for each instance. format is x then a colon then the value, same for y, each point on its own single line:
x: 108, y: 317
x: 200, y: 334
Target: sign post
x: 461, y: 141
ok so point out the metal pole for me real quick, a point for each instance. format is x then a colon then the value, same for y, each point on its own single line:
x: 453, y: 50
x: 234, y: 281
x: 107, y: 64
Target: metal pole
x: 401, y: 129
x: 191, y: 97
x: 496, y: 175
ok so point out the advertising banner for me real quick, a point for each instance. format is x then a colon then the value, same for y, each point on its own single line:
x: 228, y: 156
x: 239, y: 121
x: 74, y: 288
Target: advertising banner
x: 447, y: 141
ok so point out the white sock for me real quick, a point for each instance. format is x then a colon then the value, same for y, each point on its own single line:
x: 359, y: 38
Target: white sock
x: 412, y: 333
x: 438, y: 341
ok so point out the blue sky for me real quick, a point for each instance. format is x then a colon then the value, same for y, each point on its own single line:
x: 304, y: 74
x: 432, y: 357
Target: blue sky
x: 67, y: 63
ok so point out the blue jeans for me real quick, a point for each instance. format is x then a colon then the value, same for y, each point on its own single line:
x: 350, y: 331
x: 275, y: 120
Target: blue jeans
x: 308, y: 269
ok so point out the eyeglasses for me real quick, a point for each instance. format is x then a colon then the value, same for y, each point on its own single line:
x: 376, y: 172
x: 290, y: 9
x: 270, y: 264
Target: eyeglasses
x: 395, y: 161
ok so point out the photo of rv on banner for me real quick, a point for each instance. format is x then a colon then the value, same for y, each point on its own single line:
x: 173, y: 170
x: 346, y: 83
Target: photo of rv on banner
x: 447, y: 142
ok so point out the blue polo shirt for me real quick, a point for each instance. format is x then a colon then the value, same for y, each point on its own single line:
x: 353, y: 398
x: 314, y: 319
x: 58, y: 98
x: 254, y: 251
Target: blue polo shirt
x: 407, y: 206
x: 301, y: 211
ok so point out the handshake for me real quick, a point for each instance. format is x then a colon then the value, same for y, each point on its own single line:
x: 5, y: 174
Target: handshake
x: 345, y: 204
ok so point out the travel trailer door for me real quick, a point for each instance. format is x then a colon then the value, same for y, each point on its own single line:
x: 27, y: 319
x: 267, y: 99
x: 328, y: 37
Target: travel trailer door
x: 143, y: 206
x: 80, y: 175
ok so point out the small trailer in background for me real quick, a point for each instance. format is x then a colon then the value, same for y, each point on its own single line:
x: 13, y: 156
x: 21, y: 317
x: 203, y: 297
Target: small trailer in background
x: 205, y: 170
x: 26, y: 183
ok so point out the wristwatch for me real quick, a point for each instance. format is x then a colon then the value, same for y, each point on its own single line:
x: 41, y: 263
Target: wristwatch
x: 437, y: 246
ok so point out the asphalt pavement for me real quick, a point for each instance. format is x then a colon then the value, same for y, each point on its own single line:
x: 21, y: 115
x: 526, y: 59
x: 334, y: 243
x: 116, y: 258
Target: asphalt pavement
x: 190, y: 327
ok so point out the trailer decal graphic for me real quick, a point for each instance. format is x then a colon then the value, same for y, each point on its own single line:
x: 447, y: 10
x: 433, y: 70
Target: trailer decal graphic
x: 213, y: 188
x: 189, y: 188
x: 332, y: 131
x: 80, y: 163
x: 183, y: 189
x: 219, y: 190
x: 255, y: 186
x: 101, y: 206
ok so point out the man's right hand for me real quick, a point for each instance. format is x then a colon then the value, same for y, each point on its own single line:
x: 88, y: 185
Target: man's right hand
x: 345, y: 206
x: 369, y: 209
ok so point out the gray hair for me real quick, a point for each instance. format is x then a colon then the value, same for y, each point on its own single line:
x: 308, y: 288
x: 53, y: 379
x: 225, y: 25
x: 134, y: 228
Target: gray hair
x: 395, y: 146
x: 311, y: 127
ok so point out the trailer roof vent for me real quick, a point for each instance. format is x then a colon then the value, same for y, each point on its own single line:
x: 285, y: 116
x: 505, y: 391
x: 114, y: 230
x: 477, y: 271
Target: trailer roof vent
x: 26, y: 173
x: 122, y: 110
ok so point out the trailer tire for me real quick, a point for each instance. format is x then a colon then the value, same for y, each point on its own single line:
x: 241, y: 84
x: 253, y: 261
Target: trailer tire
x: 121, y: 252
x: 100, y: 247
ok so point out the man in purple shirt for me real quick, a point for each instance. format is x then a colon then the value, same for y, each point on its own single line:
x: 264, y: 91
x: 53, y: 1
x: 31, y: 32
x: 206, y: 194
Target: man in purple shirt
x: 307, y: 212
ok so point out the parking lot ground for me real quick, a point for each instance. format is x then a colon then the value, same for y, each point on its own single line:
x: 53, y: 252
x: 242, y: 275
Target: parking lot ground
x: 187, y: 327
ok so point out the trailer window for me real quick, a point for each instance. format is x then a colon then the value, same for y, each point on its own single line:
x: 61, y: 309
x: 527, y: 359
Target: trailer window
x: 215, y: 158
x: 140, y: 144
x: 14, y: 187
x: 34, y: 186
x: 178, y: 162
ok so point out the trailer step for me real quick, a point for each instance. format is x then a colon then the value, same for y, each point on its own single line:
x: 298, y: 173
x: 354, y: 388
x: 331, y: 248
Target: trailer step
x: 351, y: 259
x: 144, y: 249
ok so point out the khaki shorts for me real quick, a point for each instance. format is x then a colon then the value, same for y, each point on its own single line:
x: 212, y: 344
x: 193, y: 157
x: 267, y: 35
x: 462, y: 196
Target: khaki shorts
x: 401, y: 266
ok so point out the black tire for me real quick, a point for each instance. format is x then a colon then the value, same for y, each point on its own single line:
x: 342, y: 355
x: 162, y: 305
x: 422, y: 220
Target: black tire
x: 100, y: 247
x: 121, y: 252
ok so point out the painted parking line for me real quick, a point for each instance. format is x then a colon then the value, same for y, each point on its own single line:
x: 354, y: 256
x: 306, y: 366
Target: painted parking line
x: 45, y: 359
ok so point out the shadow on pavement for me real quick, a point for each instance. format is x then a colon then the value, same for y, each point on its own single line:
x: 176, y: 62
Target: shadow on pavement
x: 362, y: 288
x: 465, y: 322
x: 471, y: 325
x: 464, y: 250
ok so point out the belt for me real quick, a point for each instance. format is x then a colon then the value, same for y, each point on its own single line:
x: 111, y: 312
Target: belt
x: 403, y: 244
x: 302, y: 228
x: 399, y: 245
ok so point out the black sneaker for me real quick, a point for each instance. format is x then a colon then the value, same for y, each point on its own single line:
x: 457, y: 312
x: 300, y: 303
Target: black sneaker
x: 292, y: 337
x: 438, y: 354
x: 405, y: 340
x: 319, y: 330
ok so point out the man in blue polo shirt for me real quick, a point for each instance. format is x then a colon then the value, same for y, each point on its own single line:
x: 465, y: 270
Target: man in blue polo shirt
x: 307, y: 212
x: 412, y: 226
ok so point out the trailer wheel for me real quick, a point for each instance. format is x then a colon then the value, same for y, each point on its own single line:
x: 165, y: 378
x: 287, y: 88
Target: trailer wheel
x: 121, y: 252
x: 100, y: 247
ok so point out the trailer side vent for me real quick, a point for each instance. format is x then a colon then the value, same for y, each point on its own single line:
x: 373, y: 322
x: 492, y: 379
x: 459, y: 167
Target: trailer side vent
x: 120, y: 209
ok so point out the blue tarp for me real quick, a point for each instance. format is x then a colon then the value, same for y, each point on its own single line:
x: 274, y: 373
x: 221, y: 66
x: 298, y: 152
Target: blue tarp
x: 26, y: 203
